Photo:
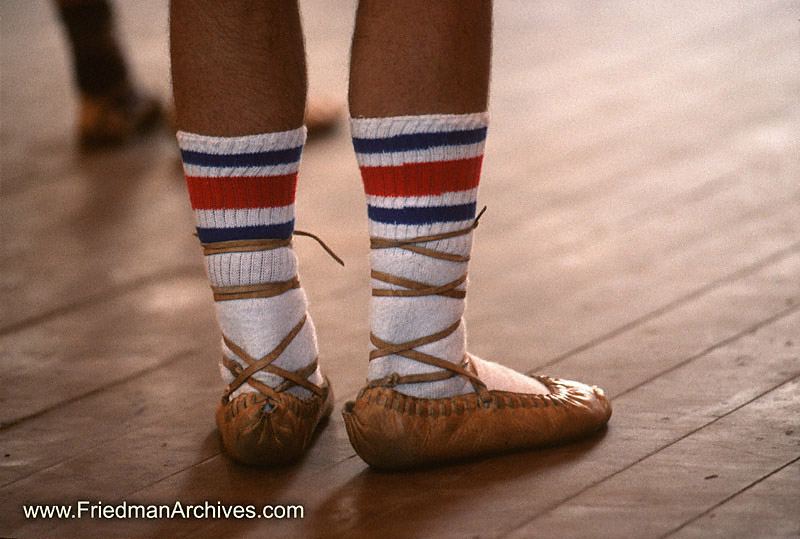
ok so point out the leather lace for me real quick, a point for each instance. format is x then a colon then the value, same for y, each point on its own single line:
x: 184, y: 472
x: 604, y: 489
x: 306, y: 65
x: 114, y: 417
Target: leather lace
x: 241, y: 374
x: 416, y: 289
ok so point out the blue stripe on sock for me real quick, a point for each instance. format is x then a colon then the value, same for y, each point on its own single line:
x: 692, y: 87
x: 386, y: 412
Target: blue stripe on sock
x: 278, y: 231
x: 258, y: 159
x: 422, y: 215
x: 418, y: 141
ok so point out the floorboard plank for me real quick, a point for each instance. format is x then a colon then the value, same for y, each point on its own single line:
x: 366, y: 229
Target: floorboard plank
x: 84, y: 351
x: 689, y: 476
x: 688, y: 330
x: 768, y: 507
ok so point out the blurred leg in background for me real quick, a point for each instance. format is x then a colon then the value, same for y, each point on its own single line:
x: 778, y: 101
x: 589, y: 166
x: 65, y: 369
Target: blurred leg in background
x: 112, y: 108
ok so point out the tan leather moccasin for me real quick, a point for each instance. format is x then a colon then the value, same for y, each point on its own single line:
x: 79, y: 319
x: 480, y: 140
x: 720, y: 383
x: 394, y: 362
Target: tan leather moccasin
x: 268, y: 426
x: 260, y: 435
x: 391, y: 430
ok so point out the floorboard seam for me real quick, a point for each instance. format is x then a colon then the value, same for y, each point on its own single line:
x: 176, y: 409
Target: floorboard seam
x: 180, y: 356
x: 650, y: 454
x: 169, y: 475
x: 755, y: 327
x: 667, y: 307
x: 727, y: 499
x: 207, y: 459
x: 52, y: 465
x: 99, y: 297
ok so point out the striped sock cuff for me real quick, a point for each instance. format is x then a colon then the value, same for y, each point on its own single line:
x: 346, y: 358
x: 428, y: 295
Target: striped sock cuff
x: 420, y: 172
x: 242, y: 187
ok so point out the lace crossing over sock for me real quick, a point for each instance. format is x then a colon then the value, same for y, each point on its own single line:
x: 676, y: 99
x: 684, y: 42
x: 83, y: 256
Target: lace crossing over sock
x: 421, y: 176
x: 242, y: 191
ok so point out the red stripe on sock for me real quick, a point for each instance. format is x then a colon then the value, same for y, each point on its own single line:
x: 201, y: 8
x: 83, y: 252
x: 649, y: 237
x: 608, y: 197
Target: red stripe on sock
x: 422, y: 179
x: 241, y: 192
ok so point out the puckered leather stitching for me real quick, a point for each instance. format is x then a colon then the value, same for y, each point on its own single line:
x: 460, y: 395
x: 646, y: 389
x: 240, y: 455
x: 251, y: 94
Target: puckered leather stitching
x: 460, y: 404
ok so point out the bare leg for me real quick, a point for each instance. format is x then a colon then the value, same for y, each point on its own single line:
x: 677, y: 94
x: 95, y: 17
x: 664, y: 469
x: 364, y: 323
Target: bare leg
x: 238, y: 66
x: 420, y: 57
x: 112, y: 109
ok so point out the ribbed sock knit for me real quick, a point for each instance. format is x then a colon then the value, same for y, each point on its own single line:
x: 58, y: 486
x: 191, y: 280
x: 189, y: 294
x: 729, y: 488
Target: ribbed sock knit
x: 243, y: 188
x: 421, y: 176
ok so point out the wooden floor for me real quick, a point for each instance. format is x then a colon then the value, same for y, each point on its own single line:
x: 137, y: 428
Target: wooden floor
x: 643, y: 234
